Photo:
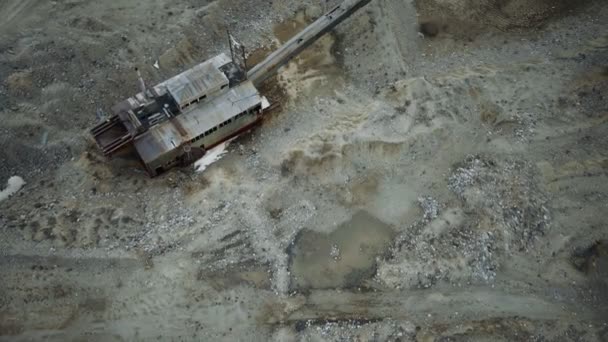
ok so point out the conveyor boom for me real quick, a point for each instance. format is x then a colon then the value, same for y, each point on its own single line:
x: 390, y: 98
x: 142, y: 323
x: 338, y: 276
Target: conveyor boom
x: 304, y: 39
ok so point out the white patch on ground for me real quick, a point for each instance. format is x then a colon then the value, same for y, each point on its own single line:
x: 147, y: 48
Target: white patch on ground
x: 14, y: 184
x: 219, y: 151
x: 212, y: 156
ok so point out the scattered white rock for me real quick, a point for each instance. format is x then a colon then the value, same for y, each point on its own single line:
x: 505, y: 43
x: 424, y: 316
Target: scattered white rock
x: 430, y: 207
x: 14, y: 184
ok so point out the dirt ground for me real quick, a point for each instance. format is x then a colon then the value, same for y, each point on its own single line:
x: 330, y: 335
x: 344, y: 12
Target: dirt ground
x: 438, y: 171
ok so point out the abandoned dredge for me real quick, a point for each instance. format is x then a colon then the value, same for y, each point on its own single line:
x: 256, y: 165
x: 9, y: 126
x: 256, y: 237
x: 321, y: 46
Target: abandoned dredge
x: 178, y: 120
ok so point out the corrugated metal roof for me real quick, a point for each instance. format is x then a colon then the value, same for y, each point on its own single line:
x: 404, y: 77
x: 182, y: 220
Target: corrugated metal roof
x: 203, y: 79
x: 165, y: 137
x: 204, y: 75
x: 224, y: 107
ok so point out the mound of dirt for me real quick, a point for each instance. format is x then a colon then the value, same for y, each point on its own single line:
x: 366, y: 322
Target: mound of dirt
x: 468, y: 18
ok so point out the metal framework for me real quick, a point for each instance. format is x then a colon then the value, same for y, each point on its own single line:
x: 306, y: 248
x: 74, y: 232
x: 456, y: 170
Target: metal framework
x: 204, y: 106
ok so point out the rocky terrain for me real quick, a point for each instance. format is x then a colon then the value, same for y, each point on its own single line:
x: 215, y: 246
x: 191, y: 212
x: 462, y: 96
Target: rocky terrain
x: 437, y: 171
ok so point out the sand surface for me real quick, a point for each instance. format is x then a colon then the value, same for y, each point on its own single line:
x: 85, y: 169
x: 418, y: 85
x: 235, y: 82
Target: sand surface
x: 437, y: 171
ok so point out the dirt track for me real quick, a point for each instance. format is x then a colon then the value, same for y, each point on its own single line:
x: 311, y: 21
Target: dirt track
x: 437, y: 172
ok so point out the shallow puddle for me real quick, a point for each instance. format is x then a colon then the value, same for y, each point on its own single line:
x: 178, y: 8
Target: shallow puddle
x: 341, y: 259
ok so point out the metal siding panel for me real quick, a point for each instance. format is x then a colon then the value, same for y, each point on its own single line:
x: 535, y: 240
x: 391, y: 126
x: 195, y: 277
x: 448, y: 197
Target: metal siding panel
x: 220, y: 109
x: 157, y: 142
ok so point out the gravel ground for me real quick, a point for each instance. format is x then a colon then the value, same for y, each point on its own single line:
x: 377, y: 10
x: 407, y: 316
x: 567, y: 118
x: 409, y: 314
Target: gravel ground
x: 437, y: 172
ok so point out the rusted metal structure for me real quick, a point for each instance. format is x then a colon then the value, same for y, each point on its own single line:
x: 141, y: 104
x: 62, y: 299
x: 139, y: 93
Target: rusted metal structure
x: 176, y: 121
